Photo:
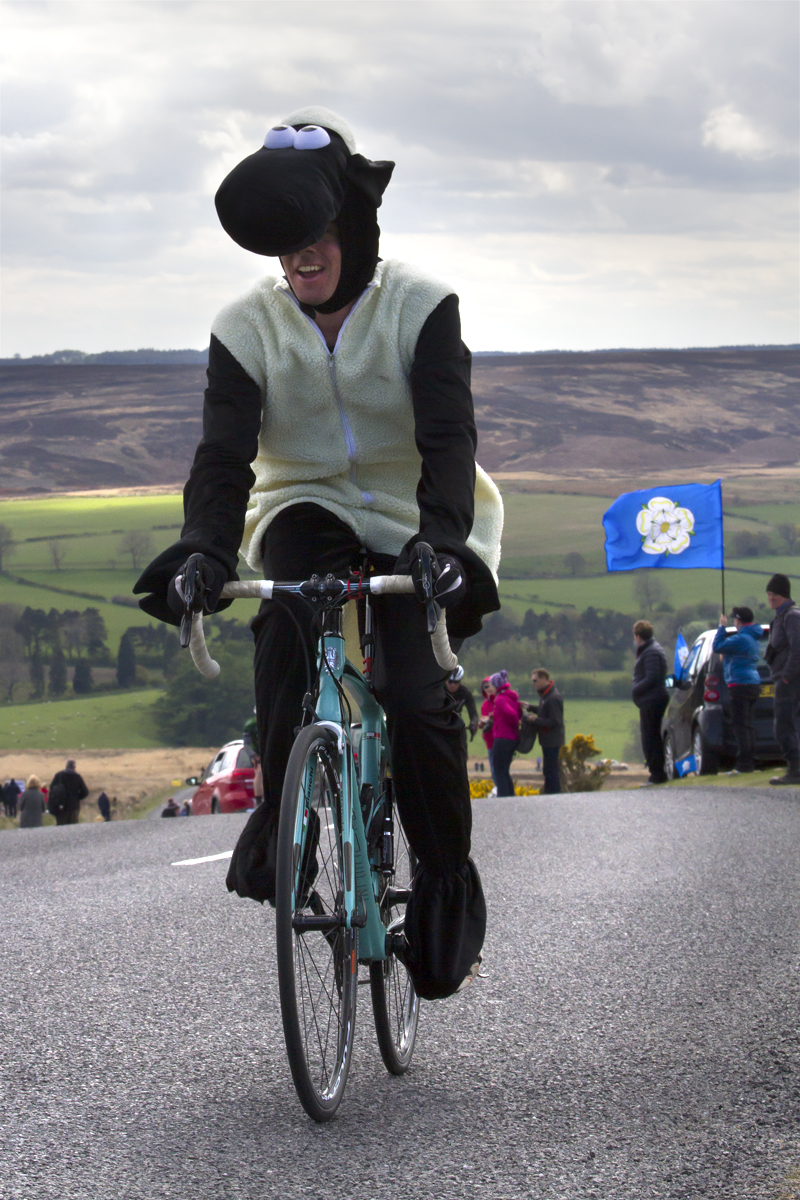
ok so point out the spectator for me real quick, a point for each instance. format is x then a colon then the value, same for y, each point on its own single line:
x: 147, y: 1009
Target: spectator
x: 486, y: 724
x: 506, y: 717
x: 171, y: 808
x: 11, y: 792
x: 739, y: 664
x: 463, y: 696
x: 651, y: 697
x: 783, y: 657
x: 32, y: 804
x: 186, y: 808
x: 67, y: 789
x: 548, y: 721
x: 104, y: 804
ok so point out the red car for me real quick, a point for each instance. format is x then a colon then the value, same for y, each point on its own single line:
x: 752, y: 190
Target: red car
x: 227, y: 784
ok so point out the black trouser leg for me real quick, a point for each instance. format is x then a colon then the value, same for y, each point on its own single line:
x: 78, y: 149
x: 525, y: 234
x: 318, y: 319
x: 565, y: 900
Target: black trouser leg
x: 787, y: 700
x: 743, y: 701
x: 552, y: 775
x: 445, y: 921
x: 503, y: 754
x: 650, y: 724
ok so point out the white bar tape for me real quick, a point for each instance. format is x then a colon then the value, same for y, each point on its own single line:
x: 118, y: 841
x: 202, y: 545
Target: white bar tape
x: 382, y: 585
x: 259, y: 589
x: 441, y: 647
x: 199, y: 652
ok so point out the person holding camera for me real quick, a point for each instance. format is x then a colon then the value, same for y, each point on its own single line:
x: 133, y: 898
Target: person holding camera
x: 739, y: 652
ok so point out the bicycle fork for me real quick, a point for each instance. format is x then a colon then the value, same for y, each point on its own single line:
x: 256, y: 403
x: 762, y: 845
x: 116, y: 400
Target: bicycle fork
x: 359, y: 908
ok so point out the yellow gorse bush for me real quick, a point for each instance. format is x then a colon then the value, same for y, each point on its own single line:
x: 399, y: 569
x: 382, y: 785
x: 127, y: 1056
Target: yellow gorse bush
x: 479, y: 788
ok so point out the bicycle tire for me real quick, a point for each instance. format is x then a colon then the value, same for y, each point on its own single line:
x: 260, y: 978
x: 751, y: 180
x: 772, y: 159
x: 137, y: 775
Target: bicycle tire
x: 317, y: 968
x: 395, y: 1003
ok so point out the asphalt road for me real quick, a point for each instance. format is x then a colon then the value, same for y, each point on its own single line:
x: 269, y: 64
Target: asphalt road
x: 637, y: 1035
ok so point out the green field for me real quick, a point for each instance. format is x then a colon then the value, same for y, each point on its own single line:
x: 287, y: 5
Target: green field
x: 123, y: 722
x: 616, y: 590
x: 540, y: 529
x: 105, y: 722
x: 93, y: 562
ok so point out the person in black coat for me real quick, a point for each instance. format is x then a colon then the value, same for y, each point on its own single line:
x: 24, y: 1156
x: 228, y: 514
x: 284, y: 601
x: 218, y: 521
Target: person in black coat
x: 67, y: 789
x: 651, y: 697
x: 11, y: 793
x: 462, y: 697
x: 548, y: 722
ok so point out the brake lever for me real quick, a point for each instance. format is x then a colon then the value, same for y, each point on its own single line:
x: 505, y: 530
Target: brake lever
x: 193, y: 595
x: 426, y: 566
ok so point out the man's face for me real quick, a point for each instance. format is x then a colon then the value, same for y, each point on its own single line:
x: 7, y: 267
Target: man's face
x: 314, y: 273
x: 539, y: 682
x: 774, y: 600
x: 452, y: 686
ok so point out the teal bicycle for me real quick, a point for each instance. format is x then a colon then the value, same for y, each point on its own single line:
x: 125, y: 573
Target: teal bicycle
x: 344, y: 867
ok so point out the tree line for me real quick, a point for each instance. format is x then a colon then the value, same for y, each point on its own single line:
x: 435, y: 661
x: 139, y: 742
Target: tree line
x: 40, y: 647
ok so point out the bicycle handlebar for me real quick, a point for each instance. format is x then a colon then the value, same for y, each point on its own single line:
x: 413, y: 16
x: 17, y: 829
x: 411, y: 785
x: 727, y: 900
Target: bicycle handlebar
x: 263, y: 589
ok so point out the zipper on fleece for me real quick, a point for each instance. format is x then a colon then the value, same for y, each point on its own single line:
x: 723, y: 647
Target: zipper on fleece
x: 350, y: 440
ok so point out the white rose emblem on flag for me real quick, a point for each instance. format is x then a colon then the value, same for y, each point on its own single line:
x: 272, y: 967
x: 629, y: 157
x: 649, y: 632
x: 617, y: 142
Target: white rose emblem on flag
x: 664, y: 528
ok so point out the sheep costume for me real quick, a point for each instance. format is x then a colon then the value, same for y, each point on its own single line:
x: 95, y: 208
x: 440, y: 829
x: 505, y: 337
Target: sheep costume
x: 369, y: 443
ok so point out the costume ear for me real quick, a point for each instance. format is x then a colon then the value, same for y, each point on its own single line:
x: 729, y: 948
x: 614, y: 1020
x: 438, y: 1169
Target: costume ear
x: 371, y: 178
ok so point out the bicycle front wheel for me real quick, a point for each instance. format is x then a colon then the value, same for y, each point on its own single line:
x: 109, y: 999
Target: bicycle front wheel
x: 317, y: 955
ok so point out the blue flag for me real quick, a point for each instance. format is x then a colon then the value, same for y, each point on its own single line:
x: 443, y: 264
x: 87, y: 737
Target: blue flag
x: 678, y: 527
x: 681, y: 655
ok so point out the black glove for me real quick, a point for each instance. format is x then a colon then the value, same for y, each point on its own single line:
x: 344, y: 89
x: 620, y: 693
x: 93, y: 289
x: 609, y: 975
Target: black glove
x: 473, y: 725
x: 449, y: 578
x: 213, y: 576
x: 158, y: 576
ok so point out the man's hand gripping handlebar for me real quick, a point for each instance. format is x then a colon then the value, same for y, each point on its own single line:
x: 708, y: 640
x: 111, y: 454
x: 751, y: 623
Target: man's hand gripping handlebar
x: 194, y: 592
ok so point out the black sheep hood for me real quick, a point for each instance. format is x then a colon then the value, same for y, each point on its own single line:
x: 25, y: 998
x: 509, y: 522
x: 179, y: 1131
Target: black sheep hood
x: 282, y: 198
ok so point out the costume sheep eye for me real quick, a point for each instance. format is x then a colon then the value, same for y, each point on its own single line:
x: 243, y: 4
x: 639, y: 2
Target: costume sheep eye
x: 311, y: 137
x: 279, y: 137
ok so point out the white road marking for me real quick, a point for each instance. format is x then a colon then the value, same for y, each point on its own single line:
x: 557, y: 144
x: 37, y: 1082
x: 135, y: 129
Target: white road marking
x: 192, y: 862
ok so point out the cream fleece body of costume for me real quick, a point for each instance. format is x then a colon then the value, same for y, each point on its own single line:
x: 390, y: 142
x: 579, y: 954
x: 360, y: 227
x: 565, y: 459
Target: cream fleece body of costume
x: 338, y: 427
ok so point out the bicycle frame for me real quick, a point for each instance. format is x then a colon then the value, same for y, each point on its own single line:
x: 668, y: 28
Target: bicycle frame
x: 360, y: 781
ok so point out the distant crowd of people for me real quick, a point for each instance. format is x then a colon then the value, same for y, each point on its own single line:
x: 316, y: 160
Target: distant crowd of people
x: 739, y: 649
x: 504, y: 717
x: 62, y: 798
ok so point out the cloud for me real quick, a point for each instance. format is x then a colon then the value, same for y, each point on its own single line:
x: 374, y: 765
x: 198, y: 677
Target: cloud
x: 569, y: 120
x: 733, y: 133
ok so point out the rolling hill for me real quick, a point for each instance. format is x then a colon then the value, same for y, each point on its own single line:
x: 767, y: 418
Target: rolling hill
x: 585, y: 419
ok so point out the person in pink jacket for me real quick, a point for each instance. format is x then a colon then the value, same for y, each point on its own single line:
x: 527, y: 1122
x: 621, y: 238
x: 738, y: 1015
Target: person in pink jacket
x: 507, y: 712
x: 486, y: 724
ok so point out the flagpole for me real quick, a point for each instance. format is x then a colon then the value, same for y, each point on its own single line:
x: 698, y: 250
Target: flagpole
x: 723, y: 589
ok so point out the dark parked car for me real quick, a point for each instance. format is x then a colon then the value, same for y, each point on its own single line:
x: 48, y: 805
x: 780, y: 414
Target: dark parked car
x: 698, y: 718
x: 227, y: 784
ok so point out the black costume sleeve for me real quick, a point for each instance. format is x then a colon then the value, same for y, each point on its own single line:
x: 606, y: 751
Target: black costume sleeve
x: 216, y: 494
x: 446, y: 439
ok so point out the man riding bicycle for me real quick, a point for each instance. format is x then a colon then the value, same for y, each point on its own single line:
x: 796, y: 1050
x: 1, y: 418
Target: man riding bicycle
x: 346, y: 385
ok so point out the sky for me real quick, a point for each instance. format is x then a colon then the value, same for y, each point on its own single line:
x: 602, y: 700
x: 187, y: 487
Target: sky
x: 584, y: 175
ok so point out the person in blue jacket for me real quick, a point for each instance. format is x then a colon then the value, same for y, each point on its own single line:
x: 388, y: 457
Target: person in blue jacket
x: 739, y: 663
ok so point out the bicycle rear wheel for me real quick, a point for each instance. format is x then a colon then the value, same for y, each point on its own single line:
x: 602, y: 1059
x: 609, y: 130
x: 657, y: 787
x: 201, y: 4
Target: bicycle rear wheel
x: 395, y: 1004
x: 317, y: 955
